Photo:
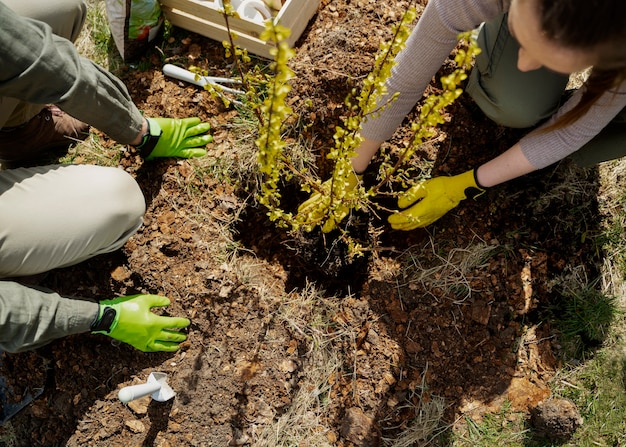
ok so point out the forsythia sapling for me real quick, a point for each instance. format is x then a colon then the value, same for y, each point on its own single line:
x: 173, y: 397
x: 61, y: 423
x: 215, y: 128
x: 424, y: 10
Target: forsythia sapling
x: 273, y: 162
x: 347, y: 139
x: 336, y: 199
x: 431, y: 114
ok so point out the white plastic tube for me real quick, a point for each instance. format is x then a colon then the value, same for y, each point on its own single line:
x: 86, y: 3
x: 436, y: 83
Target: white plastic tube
x: 254, y: 10
x: 176, y: 72
x: 133, y: 392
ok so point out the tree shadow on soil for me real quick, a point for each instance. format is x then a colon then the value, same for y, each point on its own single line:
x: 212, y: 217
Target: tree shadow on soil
x: 80, y: 363
x: 479, y: 337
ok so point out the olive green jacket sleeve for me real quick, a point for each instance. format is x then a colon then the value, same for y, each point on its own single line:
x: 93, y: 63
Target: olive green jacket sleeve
x: 32, y: 317
x: 38, y: 67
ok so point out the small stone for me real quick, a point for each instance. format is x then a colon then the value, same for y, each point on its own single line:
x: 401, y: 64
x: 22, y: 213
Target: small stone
x: 288, y: 365
x: 135, y: 426
x: 332, y: 437
x: 481, y: 312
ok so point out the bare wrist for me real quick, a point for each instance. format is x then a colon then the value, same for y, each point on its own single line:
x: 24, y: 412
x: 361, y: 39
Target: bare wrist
x: 144, y: 130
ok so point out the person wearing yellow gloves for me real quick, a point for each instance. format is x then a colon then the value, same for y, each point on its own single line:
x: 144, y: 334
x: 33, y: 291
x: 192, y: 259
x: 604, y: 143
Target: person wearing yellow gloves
x: 59, y: 215
x: 529, y: 49
x: 431, y: 199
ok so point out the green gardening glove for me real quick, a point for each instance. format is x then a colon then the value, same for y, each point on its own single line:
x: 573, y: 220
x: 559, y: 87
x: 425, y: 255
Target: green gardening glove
x: 436, y: 197
x: 170, y: 137
x: 129, y: 319
x: 317, y: 206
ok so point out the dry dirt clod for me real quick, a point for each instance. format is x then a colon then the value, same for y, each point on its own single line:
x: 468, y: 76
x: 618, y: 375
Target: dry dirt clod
x: 556, y: 419
x: 135, y: 426
x: 360, y: 429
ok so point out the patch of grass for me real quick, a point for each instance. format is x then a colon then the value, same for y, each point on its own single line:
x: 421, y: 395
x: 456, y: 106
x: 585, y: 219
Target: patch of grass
x: 598, y: 384
x: 95, y: 41
x: 503, y: 429
x: 584, y: 317
x: 598, y: 389
x: 91, y: 151
x: 613, y: 201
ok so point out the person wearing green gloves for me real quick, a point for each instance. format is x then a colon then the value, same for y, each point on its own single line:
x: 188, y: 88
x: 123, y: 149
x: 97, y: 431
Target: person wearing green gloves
x: 59, y: 215
x: 529, y: 49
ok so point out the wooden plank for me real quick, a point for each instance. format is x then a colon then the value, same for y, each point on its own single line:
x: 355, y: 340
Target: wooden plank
x: 198, y: 17
x: 216, y: 32
x: 201, y: 10
x: 295, y: 15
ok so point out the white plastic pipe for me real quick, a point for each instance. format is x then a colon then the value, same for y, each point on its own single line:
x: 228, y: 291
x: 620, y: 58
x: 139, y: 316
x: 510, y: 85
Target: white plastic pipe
x: 254, y: 10
x: 133, y: 392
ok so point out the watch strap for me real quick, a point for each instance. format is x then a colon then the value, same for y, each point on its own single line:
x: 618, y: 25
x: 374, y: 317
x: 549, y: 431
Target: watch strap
x: 104, y: 320
x: 149, y: 140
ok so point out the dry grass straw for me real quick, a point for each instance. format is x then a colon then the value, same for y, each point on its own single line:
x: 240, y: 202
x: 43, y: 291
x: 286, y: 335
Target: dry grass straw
x: 422, y: 430
x: 451, y: 273
x: 309, y: 420
x: 8, y: 437
x: 307, y: 314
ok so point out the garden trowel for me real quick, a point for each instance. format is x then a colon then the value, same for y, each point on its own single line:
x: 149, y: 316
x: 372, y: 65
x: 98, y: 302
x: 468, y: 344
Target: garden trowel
x: 183, y: 74
x: 156, y: 386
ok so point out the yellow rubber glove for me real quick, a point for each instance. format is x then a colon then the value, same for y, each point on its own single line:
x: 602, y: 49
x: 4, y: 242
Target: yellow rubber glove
x: 129, y: 319
x: 436, y: 197
x: 316, y: 207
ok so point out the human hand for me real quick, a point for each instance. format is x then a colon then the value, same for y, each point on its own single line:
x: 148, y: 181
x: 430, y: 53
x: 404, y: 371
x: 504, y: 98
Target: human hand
x: 436, y: 197
x: 184, y: 138
x: 316, y: 206
x: 129, y: 319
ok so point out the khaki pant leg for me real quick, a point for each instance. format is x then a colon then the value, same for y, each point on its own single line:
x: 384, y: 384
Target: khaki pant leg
x: 56, y: 216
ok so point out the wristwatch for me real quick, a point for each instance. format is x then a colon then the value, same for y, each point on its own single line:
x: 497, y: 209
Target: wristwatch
x: 104, y: 319
x: 149, y: 140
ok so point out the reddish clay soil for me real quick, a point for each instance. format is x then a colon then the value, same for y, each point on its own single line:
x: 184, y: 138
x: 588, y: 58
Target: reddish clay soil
x: 475, y: 342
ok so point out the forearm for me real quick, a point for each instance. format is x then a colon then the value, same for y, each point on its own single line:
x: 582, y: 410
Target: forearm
x: 102, y: 101
x: 30, y: 317
x: 429, y: 45
x: 507, y: 166
x: 365, y: 152
x: 42, y: 68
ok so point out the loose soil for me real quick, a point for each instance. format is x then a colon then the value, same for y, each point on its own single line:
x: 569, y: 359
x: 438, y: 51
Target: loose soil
x: 454, y: 311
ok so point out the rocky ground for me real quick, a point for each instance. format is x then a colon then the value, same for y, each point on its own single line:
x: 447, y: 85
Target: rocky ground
x: 452, y: 314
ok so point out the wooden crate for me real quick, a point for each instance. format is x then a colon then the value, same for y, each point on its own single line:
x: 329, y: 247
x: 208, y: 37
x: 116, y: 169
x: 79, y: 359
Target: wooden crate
x: 199, y: 17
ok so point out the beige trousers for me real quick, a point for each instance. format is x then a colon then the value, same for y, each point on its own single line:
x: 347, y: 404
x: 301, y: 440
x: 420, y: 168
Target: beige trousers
x: 56, y: 216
